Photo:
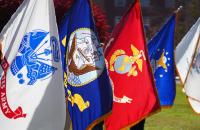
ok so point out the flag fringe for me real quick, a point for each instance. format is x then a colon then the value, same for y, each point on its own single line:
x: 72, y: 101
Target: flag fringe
x: 148, y: 115
x: 100, y: 119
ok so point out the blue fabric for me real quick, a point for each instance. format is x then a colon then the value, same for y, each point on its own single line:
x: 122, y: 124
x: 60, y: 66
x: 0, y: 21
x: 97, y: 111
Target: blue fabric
x: 161, y: 53
x: 62, y: 34
x: 98, y: 92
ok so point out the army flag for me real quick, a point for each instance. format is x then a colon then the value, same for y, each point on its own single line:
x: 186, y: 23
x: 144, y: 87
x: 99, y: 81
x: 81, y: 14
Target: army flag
x: 31, y: 86
x: 188, y: 65
x: 161, y: 53
x: 135, y: 95
x: 87, y: 84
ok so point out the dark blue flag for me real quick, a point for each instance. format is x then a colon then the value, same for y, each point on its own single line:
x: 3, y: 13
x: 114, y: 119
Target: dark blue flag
x: 161, y: 53
x: 87, y: 84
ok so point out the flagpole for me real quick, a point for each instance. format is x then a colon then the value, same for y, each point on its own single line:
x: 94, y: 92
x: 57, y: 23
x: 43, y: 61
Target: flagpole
x: 91, y: 5
x: 179, y: 9
x: 177, y: 12
x: 196, y: 49
x: 193, y: 56
x: 177, y: 17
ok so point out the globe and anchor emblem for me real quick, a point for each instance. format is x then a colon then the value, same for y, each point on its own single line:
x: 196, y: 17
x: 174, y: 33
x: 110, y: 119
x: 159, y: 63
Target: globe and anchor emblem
x: 124, y: 64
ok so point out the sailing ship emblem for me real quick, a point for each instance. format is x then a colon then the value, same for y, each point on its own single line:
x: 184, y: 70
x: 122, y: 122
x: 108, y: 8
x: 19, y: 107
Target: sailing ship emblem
x: 85, y: 61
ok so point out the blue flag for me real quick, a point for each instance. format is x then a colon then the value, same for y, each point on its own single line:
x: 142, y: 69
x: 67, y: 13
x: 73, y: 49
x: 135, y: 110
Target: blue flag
x: 87, y: 84
x: 161, y: 53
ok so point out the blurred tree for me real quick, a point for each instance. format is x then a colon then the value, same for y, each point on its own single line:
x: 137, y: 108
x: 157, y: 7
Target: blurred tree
x: 8, y: 7
x: 186, y: 18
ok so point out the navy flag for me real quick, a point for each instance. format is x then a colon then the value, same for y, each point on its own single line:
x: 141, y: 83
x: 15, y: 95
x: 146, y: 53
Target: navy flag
x: 87, y: 84
x: 161, y: 53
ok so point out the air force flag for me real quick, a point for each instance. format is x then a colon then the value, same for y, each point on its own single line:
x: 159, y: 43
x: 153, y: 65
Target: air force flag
x: 161, y: 53
x: 87, y: 84
x: 31, y: 85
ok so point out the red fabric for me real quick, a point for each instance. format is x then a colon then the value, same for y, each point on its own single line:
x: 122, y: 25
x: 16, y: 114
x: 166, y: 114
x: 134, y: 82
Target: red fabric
x: 140, y: 88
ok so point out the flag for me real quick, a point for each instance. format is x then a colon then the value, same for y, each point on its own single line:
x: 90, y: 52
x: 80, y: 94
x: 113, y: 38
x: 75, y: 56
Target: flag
x: 161, y: 53
x: 135, y: 95
x: 31, y: 86
x: 63, y: 46
x: 185, y: 50
x: 188, y: 62
x: 87, y: 84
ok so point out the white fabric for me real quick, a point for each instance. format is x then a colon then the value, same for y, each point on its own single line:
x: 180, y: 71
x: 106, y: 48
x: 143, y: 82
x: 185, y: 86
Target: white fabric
x: 195, y: 105
x: 43, y: 102
x: 189, y: 68
x: 185, y: 50
x: 192, y: 83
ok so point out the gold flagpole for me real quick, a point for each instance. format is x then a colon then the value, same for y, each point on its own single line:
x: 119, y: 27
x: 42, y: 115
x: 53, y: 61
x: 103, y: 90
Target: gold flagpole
x: 177, y: 12
x: 177, y: 17
x: 179, y: 9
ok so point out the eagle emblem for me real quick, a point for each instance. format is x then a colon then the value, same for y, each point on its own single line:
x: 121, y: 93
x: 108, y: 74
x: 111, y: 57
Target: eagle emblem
x: 122, y: 63
x: 36, y: 55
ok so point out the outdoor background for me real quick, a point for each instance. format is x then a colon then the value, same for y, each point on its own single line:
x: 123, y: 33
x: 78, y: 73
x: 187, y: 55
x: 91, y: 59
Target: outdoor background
x: 155, y: 13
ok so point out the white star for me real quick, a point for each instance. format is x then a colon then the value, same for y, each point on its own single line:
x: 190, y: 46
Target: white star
x: 168, y: 64
x: 167, y: 53
x: 169, y: 58
x: 161, y: 76
x: 165, y: 70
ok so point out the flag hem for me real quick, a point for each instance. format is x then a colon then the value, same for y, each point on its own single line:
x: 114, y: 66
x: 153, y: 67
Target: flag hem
x: 148, y: 115
x: 191, y: 105
x: 98, y: 120
x: 167, y: 106
x: 192, y: 98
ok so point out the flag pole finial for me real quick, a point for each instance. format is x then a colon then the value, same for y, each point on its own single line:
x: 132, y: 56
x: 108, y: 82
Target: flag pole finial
x: 179, y: 8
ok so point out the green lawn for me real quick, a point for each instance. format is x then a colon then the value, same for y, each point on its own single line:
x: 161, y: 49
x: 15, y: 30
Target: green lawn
x: 179, y: 117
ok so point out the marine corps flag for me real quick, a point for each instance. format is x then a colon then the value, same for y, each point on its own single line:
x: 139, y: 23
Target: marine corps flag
x: 31, y: 86
x: 135, y: 96
x: 87, y: 84
x: 161, y: 53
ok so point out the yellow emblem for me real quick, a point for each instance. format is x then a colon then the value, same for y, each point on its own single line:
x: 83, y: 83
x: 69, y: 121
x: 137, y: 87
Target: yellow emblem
x: 78, y: 100
x: 65, y: 79
x: 64, y: 41
x: 162, y: 61
x: 122, y: 63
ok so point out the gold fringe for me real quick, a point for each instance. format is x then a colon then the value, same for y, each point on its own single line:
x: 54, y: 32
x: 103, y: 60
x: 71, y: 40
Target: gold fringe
x: 166, y: 107
x: 150, y: 114
x: 100, y: 119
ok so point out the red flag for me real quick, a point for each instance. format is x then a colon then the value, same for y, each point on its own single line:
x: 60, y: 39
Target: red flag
x: 135, y: 96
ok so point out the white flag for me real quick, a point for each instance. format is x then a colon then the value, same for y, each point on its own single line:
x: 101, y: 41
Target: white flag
x: 31, y: 87
x: 185, y: 51
x: 188, y: 65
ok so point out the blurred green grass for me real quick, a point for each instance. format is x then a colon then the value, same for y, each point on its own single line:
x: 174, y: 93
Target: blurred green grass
x: 179, y: 117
